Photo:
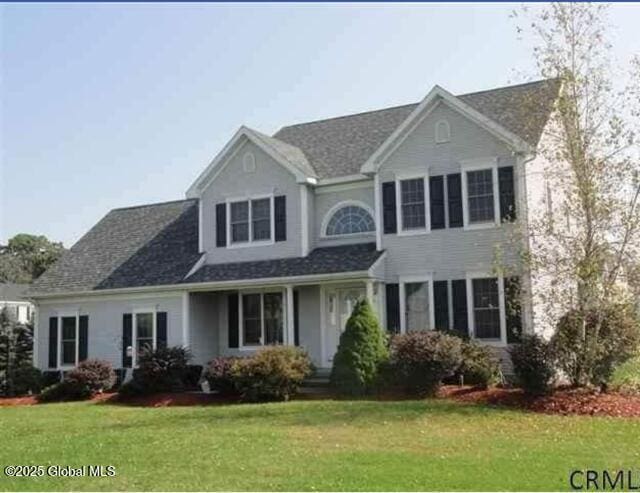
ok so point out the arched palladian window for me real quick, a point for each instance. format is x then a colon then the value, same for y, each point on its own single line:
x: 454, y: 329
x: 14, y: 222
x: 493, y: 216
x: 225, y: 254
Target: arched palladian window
x: 349, y: 219
x: 443, y: 132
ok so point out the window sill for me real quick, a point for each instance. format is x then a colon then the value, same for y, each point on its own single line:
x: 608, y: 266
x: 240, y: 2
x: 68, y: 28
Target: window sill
x: 249, y: 244
x: 413, y: 232
x: 487, y: 225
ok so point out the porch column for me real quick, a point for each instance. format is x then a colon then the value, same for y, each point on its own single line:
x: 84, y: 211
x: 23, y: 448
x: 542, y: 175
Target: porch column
x: 186, y: 336
x: 289, y: 336
x: 370, y: 293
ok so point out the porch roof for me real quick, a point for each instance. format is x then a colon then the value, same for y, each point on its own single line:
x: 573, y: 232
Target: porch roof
x: 326, y: 260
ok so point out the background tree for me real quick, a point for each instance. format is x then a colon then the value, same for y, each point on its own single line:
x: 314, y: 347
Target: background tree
x: 587, y: 233
x: 26, y: 257
x: 16, y: 352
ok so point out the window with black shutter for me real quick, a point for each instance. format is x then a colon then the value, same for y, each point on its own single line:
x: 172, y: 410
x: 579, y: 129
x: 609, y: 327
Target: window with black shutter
x: 389, y: 217
x: 393, y: 308
x: 507, y: 194
x: 436, y: 197
x: 459, y: 301
x: 221, y: 225
x: 161, y: 330
x: 127, y: 340
x: 280, y: 212
x: 83, y: 344
x: 513, y: 307
x: 53, y: 342
x: 454, y: 194
x: 232, y: 320
x: 441, y: 304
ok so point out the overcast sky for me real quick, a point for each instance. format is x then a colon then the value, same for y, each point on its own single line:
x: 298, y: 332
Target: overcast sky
x: 107, y: 106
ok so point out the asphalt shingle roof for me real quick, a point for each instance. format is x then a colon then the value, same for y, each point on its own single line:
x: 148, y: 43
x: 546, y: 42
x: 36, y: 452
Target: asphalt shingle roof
x: 325, y: 260
x: 138, y: 246
x: 340, y: 146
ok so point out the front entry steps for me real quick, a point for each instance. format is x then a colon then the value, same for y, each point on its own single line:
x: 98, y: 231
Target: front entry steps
x: 317, y: 384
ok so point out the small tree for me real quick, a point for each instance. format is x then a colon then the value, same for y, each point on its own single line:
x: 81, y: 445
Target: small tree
x: 361, y: 350
x: 16, y: 351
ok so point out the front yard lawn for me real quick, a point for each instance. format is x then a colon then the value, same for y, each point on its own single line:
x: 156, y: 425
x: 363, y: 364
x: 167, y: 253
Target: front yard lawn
x: 312, y: 445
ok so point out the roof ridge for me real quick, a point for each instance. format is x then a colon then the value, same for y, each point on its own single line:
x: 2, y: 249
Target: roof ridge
x: 153, y: 204
x: 410, y: 104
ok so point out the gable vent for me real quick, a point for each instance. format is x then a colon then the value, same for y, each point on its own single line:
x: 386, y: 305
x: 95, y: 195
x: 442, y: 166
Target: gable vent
x: 249, y: 162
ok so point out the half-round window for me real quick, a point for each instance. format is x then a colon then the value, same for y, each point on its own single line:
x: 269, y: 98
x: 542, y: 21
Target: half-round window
x: 350, y: 219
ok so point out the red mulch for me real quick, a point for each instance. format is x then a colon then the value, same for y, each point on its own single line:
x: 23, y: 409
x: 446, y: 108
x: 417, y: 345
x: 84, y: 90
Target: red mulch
x: 172, y: 399
x: 563, y: 401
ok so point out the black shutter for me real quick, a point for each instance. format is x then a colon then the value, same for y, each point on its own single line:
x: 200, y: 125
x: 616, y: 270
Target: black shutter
x: 389, y: 207
x: 221, y: 225
x: 454, y: 192
x: 393, y: 308
x: 53, y: 342
x: 436, y: 198
x: 513, y: 308
x: 280, y: 214
x: 507, y: 195
x: 232, y: 317
x: 459, y: 298
x: 127, y: 339
x: 161, y: 330
x: 441, y: 304
x: 83, y: 343
x: 296, y: 319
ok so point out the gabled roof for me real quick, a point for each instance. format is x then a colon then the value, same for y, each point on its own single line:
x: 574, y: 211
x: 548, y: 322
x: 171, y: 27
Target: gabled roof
x: 340, y: 146
x: 290, y: 157
x: 13, y: 292
x: 136, y: 246
x: 326, y: 260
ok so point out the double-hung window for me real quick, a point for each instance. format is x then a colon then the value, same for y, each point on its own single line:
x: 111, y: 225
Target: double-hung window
x: 262, y: 319
x: 413, y: 204
x: 251, y: 220
x: 486, y: 308
x: 69, y: 341
x: 481, y: 201
x: 145, y: 331
x: 417, y: 306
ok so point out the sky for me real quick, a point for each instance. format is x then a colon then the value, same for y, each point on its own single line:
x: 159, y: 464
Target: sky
x: 113, y: 105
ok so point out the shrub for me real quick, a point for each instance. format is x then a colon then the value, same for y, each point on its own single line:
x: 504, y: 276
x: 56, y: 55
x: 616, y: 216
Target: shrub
x: 361, y: 350
x: 421, y: 360
x: 533, y: 364
x: 162, y: 369
x: 479, y: 365
x: 273, y: 373
x: 51, y: 377
x: 95, y: 374
x: 65, y: 391
x: 26, y: 379
x: 218, y: 374
x: 192, y: 377
x: 589, y: 354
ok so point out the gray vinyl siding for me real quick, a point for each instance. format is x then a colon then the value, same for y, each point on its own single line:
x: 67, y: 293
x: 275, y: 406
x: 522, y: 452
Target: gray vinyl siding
x: 325, y: 201
x: 105, y: 324
x: 233, y: 182
x: 204, y: 326
x: 447, y: 253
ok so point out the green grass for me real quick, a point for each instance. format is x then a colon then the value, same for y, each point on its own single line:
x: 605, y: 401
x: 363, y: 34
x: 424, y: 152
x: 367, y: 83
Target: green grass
x: 312, y: 445
x: 627, y: 376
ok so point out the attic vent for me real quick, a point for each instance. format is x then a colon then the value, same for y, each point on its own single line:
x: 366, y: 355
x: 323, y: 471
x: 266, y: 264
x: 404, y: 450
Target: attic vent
x: 249, y: 162
x: 443, y: 132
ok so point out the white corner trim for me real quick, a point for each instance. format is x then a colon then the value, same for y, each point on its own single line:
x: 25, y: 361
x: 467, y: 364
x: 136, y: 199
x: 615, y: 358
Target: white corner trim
x: 186, y: 321
x: 335, y: 208
x: 377, y: 199
x: 304, y: 219
x: 434, y: 96
x: 229, y: 150
x: 200, y: 229
x: 196, y: 266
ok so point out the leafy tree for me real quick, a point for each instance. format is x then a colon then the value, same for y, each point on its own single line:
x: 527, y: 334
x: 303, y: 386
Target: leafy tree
x: 584, y: 235
x: 26, y: 257
x: 16, y: 350
x: 361, y: 350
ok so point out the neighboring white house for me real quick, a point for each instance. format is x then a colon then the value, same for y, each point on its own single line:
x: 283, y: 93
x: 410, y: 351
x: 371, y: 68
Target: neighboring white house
x: 12, y: 298
x: 280, y: 235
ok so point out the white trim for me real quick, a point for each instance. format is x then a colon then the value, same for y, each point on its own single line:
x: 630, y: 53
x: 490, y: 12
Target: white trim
x: 424, y: 175
x: 479, y: 165
x: 196, y: 266
x: 470, y: 276
x: 344, y: 187
x: 218, y: 163
x: 323, y: 182
x: 134, y: 331
x: 436, y: 95
x: 249, y: 199
x: 377, y: 200
x: 304, y: 220
x: 375, y: 264
x: 186, y: 329
x: 323, y: 325
x: 289, y: 329
x: 418, y: 278
x: 335, y: 208
x: 110, y: 295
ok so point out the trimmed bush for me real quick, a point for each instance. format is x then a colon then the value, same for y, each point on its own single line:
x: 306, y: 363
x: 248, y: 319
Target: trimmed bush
x: 218, y: 374
x: 26, y: 380
x: 192, y: 377
x: 83, y: 382
x: 64, y: 391
x: 51, y: 377
x: 421, y: 360
x: 588, y: 354
x: 533, y: 364
x: 479, y: 365
x: 272, y: 374
x: 162, y: 369
x: 360, y: 353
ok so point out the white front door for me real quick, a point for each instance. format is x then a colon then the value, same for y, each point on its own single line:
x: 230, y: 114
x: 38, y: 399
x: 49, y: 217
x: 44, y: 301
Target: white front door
x: 339, y: 303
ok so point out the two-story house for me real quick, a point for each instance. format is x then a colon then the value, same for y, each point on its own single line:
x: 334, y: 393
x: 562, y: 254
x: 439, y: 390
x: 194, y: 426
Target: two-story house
x: 280, y: 235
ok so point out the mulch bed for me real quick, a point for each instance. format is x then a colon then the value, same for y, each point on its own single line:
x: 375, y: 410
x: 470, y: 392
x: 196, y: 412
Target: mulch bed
x: 172, y: 399
x: 564, y: 401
